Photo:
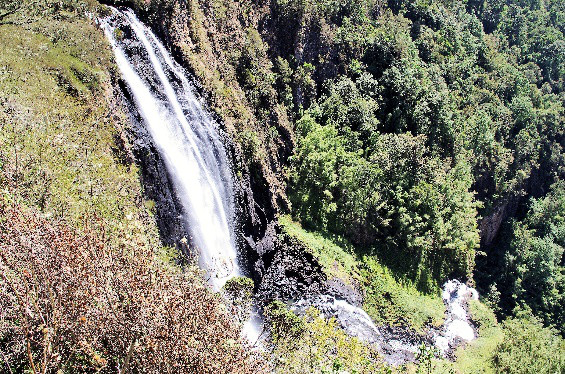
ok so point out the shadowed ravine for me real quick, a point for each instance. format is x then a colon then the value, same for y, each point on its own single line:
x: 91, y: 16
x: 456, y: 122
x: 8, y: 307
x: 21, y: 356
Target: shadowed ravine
x: 188, y: 140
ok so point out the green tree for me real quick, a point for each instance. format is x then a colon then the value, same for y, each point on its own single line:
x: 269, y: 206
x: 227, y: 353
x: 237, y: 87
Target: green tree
x: 529, y: 348
x: 535, y: 265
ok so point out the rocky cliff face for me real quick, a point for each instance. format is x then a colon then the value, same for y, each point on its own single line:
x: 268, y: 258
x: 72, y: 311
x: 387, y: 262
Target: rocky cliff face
x: 281, y: 269
x: 491, y: 224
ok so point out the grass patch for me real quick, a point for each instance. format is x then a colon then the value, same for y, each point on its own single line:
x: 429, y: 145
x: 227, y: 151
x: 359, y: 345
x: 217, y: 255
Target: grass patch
x: 390, y: 301
x: 337, y: 261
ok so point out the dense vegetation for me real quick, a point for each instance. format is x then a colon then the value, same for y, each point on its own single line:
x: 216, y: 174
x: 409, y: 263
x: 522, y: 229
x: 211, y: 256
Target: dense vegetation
x: 416, y: 122
x: 424, y: 125
x: 413, y: 122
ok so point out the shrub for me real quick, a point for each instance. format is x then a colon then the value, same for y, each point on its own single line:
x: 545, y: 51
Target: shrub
x: 239, y: 292
x: 314, y: 344
x: 528, y: 347
x: 72, y: 303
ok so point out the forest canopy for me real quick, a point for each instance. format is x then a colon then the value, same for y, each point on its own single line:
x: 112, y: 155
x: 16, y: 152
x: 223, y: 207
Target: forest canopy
x: 433, y: 131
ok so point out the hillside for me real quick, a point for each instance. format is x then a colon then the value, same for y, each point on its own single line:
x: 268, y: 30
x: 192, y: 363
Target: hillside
x: 86, y: 285
x: 370, y: 155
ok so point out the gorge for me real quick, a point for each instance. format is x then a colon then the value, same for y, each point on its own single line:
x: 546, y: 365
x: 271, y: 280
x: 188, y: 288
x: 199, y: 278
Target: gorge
x: 282, y: 186
x: 188, y: 140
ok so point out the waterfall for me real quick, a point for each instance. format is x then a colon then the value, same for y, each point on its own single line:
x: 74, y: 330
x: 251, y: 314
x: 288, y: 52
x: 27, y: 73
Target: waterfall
x: 186, y: 137
x: 188, y: 140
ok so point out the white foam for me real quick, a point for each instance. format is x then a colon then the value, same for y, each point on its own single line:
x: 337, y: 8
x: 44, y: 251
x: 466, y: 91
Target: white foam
x: 456, y: 296
x: 460, y: 329
x: 191, y: 150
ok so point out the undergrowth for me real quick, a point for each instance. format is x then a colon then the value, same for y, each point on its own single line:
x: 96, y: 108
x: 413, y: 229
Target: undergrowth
x: 312, y: 343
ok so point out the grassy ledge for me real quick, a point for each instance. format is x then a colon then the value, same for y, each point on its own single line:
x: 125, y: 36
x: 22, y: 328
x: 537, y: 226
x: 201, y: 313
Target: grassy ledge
x: 387, y: 300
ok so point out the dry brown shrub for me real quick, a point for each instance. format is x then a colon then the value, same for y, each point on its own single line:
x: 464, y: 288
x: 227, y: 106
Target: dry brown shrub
x: 69, y: 301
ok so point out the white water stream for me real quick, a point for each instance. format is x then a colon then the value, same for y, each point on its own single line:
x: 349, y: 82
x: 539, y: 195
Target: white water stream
x: 456, y: 326
x: 187, y: 139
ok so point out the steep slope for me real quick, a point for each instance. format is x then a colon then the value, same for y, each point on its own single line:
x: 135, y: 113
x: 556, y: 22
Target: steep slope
x: 400, y: 137
x: 86, y: 284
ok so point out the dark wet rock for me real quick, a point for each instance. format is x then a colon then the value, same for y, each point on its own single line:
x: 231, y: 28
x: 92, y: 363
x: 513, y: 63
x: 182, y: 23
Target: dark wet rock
x: 400, y: 344
x: 338, y: 288
x: 285, y: 269
x: 287, y: 272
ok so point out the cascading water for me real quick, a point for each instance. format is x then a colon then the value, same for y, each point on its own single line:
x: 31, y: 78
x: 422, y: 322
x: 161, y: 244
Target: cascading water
x: 398, y: 345
x: 456, y: 327
x: 186, y: 137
